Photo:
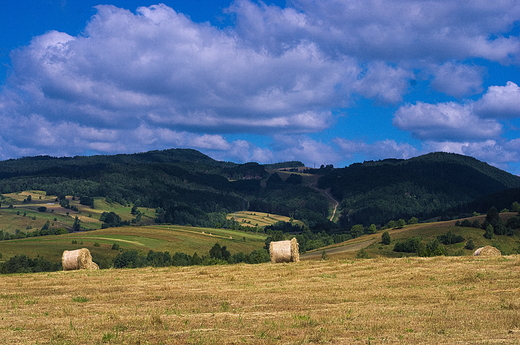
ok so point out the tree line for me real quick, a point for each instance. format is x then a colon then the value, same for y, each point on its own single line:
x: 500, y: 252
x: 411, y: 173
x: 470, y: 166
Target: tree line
x: 217, y: 255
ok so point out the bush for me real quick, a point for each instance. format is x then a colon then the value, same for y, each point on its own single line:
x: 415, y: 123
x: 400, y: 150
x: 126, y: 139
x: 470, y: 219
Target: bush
x: 385, y: 238
x: 466, y: 223
x: 258, y: 256
x: 128, y: 259
x: 470, y: 245
x: 433, y: 248
x: 489, y: 232
x: 410, y: 245
x: 450, y: 238
x: 24, y: 264
x: 513, y: 223
x: 362, y: 254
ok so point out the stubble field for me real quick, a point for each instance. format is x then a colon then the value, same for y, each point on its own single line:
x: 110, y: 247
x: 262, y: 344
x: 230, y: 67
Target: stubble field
x: 440, y: 300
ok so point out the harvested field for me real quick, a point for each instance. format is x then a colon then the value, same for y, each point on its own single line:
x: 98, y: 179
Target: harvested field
x: 261, y: 219
x: 441, y: 300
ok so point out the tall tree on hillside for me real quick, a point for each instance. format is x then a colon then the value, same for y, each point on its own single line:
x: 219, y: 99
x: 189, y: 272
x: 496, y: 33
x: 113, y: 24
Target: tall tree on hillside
x: 489, y: 232
x: 76, y: 226
x: 492, y: 215
x: 515, y: 207
x: 385, y: 238
x: 357, y: 230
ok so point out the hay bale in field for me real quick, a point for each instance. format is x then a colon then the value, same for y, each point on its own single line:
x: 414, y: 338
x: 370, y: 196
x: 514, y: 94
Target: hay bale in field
x: 93, y: 266
x: 487, y: 251
x: 79, y: 259
x: 284, y: 251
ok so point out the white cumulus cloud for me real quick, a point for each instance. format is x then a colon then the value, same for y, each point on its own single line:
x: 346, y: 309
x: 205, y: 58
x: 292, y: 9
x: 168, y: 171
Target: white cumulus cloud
x: 377, y: 150
x: 153, y: 78
x: 500, y: 102
x: 457, y: 79
x: 445, y: 121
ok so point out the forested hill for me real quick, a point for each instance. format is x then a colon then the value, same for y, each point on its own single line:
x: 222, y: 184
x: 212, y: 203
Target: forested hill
x: 188, y: 187
x: 185, y: 186
x: 424, y: 186
x: 54, y: 165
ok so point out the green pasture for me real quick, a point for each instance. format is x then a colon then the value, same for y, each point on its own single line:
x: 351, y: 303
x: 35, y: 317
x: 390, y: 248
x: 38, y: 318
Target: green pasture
x: 429, y: 231
x: 26, y: 217
x: 143, y: 239
x: 101, y: 205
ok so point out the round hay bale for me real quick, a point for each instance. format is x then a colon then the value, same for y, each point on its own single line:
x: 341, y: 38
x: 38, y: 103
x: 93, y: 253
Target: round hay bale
x: 487, y: 251
x: 284, y: 251
x: 93, y: 266
x: 79, y: 259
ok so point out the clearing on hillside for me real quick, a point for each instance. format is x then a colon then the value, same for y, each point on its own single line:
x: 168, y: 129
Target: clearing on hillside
x: 260, y: 219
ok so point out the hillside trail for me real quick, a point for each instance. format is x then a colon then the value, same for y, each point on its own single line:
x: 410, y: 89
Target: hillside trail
x: 329, y: 196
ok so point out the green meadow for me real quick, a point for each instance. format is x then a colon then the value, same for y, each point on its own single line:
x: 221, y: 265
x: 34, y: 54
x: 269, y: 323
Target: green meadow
x: 143, y: 239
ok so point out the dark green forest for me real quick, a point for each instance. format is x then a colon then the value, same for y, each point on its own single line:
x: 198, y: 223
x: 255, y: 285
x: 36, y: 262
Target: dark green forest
x: 187, y: 187
x: 432, y: 185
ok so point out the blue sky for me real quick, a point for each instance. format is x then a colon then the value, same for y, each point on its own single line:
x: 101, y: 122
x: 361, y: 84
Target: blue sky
x: 323, y: 82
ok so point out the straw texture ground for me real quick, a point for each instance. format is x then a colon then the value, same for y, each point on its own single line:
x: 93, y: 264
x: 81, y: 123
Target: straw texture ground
x: 427, y: 301
x: 79, y: 259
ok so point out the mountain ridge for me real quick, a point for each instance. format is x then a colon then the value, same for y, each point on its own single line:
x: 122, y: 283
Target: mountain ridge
x: 187, y: 186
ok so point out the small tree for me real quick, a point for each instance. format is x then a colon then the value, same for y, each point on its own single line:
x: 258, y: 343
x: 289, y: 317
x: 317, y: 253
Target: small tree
x: 324, y: 255
x: 76, y: 226
x: 362, y: 254
x: 385, y: 238
x: 413, y: 220
x: 515, y: 207
x: 357, y: 230
x: 492, y: 216
x: 470, y: 245
x: 391, y: 224
x: 489, y: 232
x: 372, y: 229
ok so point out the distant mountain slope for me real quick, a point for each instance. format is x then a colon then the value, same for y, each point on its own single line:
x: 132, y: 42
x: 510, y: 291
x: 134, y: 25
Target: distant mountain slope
x: 186, y: 186
x: 44, y: 164
x: 375, y: 192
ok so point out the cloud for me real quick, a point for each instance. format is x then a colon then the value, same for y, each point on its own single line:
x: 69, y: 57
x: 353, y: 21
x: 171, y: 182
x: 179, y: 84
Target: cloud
x: 382, y: 82
x: 500, y: 102
x: 154, y: 78
x: 392, y: 30
x: 159, y: 68
x: 445, y: 122
x: 456, y: 79
x: 377, y: 150
x: 310, y: 151
x: 494, y: 152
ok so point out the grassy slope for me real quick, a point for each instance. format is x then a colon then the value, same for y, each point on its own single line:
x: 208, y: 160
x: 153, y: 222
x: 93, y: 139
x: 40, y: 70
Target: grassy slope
x: 427, y: 231
x: 441, y: 300
x: 13, y: 218
x: 158, y: 238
